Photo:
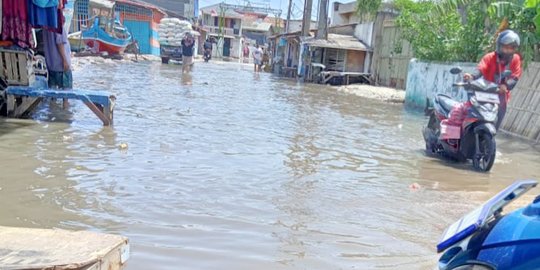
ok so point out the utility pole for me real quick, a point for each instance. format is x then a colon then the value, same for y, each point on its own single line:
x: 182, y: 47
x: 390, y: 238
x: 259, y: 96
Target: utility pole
x: 322, y: 29
x: 306, y: 21
x: 288, y: 17
x: 221, y: 31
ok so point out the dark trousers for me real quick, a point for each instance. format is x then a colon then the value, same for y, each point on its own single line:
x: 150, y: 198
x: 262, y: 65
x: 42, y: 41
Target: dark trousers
x: 502, y: 110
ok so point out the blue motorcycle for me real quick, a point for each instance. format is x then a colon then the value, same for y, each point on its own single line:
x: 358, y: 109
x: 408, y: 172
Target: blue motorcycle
x: 485, y: 239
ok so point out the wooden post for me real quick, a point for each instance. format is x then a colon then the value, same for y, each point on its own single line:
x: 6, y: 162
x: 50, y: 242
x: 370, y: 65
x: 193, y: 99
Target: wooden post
x: 306, y: 21
x: 28, y: 104
x: 287, y: 26
x: 98, y: 111
x: 322, y: 29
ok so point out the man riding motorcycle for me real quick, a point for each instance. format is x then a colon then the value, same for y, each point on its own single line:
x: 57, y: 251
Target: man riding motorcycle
x: 207, y: 46
x: 491, y: 67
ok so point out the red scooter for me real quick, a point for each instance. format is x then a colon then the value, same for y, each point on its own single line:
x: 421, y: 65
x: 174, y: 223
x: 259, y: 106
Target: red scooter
x: 475, y: 138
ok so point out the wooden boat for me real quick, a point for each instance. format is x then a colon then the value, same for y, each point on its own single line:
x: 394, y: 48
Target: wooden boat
x: 75, y: 42
x: 105, y: 33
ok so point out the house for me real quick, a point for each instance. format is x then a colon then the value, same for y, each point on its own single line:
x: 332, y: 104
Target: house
x: 184, y: 9
x: 142, y: 21
x: 343, y: 57
x: 277, y: 22
x: 224, y: 24
x: 234, y: 26
x: 139, y: 18
x: 258, y: 31
x: 338, y: 59
x: 343, y: 13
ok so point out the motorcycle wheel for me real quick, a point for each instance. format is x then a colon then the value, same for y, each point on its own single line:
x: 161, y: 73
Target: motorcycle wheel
x: 484, y: 160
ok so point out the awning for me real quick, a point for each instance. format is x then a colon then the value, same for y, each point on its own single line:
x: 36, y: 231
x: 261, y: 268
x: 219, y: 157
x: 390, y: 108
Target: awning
x: 336, y: 41
x: 217, y: 35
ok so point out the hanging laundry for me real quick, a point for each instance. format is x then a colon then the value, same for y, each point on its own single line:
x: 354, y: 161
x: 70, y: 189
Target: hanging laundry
x: 1, y: 18
x: 15, y: 23
x: 46, y: 3
x: 46, y: 17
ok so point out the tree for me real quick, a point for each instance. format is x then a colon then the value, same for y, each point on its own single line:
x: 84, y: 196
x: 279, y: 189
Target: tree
x: 436, y: 38
x: 367, y: 9
x: 463, y: 30
x: 523, y: 17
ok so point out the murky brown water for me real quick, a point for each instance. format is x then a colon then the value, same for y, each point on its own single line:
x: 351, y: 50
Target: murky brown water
x: 229, y: 170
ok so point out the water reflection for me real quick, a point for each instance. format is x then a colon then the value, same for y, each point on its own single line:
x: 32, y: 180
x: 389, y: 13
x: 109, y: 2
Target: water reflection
x: 217, y: 175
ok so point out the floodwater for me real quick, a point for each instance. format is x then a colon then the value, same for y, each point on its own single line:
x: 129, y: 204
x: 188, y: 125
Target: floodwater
x: 226, y: 169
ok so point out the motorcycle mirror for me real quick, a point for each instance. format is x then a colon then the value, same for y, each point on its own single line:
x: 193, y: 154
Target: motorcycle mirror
x: 456, y: 70
x: 506, y: 73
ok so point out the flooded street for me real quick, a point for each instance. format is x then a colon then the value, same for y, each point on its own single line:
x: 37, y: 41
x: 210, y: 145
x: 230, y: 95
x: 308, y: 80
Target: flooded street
x: 226, y: 169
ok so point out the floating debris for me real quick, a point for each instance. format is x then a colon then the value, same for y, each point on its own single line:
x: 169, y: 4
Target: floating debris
x: 123, y: 146
x: 415, y: 187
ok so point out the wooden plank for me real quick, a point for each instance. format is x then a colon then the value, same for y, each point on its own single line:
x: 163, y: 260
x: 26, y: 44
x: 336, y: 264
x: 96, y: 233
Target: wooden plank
x: 23, y: 69
x: 24, y: 248
x: 14, y: 66
x: 9, y: 69
x: 532, y: 129
x: 2, y: 66
x: 26, y: 107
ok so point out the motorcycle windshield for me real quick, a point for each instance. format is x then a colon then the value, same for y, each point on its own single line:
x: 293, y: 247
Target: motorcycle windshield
x: 477, y: 218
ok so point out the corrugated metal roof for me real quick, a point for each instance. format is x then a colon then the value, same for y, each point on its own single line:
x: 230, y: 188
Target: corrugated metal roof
x: 174, y: 8
x: 336, y: 41
x: 256, y: 26
x: 142, y: 4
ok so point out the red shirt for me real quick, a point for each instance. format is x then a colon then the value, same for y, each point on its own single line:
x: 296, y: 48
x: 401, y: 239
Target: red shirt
x: 488, y: 68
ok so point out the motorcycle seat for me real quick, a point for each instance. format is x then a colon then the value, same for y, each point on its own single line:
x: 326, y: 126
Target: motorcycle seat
x: 446, y: 102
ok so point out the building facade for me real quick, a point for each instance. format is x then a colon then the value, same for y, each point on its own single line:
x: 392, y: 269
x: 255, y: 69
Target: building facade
x: 343, y: 13
x: 184, y: 9
x: 140, y: 19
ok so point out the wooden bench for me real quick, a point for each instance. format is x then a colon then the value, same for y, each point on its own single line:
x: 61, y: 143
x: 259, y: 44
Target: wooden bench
x: 326, y: 76
x: 21, y: 100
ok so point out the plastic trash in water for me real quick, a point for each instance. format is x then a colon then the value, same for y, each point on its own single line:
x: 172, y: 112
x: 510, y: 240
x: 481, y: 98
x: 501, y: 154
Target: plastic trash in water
x: 123, y: 146
x: 415, y: 187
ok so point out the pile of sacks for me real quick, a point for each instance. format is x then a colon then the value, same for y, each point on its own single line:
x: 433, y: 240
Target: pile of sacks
x: 172, y: 30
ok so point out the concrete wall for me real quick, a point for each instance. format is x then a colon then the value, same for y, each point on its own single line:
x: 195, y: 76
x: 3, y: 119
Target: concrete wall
x: 347, y: 29
x: 296, y: 25
x: 364, y: 32
x: 425, y: 80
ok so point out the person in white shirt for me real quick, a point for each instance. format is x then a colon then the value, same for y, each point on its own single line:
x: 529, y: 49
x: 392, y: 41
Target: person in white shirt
x: 257, y: 58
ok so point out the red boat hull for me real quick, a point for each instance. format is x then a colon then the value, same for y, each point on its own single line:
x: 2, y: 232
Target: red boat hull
x: 104, y: 47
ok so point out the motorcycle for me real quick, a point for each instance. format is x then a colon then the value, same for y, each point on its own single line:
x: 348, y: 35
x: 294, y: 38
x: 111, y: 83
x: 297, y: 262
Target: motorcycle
x: 485, y: 239
x: 207, y: 55
x: 475, y: 139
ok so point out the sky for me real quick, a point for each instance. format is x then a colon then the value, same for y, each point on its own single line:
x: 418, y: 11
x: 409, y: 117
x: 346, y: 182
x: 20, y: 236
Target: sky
x: 297, y: 11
